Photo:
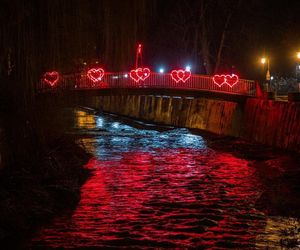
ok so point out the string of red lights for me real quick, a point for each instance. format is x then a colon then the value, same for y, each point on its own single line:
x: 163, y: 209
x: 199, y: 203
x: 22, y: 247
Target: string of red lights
x: 141, y: 74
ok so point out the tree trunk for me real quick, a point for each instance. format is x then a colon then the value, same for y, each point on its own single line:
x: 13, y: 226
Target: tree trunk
x: 221, y: 45
x: 206, y: 50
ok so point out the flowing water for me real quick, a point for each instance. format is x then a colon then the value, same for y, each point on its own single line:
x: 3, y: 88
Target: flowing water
x: 165, y: 188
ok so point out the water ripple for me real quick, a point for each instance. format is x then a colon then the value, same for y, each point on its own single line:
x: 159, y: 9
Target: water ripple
x: 154, y: 190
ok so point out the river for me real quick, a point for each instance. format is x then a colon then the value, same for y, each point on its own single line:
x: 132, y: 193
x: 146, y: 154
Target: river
x: 162, y: 187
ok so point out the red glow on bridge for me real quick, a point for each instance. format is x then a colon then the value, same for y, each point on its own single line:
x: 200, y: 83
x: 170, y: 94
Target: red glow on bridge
x: 95, y: 74
x: 219, y: 80
x: 230, y: 80
x: 174, y: 80
x: 51, y: 78
x: 139, y: 74
x: 180, y: 75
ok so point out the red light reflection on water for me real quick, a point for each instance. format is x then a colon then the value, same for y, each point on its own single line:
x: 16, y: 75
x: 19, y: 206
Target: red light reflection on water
x: 173, y: 198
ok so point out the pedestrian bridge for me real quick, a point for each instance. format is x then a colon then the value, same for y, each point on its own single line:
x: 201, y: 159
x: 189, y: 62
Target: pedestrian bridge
x: 222, y: 104
x: 177, y: 81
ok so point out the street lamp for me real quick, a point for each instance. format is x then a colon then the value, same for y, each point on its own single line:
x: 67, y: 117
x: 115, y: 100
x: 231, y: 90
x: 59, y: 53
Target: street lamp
x: 298, y: 70
x: 298, y: 64
x: 264, y: 61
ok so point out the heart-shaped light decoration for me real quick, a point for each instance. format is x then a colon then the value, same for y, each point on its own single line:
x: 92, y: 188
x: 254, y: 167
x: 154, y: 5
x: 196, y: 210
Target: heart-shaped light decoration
x: 95, y: 74
x: 231, y: 80
x: 180, y: 75
x: 139, y: 74
x: 219, y: 79
x: 51, y: 78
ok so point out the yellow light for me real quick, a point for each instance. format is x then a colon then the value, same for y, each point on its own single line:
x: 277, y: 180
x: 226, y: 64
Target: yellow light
x: 263, y: 60
x: 298, y: 55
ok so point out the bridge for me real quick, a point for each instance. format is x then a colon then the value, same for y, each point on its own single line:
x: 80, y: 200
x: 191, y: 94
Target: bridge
x: 221, y: 104
x: 179, y: 81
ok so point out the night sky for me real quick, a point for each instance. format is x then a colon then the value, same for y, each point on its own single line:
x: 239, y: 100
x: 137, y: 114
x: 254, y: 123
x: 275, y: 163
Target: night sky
x: 212, y: 36
x: 256, y: 28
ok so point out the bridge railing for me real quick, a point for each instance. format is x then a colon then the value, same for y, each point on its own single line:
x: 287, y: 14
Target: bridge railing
x: 155, y: 80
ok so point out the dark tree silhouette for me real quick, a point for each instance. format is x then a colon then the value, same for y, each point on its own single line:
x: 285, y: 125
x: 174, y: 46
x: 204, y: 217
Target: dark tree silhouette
x: 37, y: 36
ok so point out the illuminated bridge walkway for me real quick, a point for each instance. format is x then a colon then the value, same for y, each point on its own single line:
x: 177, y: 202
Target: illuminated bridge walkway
x: 176, y: 81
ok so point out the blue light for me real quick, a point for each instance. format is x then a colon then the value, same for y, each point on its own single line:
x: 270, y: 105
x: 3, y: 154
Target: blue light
x: 188, y: 68
x: 161, y: 70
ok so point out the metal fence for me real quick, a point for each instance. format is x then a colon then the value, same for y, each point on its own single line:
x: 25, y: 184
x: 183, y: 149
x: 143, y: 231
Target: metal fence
x: 283, y: 86
x: 155, y: 80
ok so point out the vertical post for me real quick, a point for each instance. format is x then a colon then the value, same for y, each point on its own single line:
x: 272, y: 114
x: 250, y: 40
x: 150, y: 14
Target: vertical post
x: 297, y: 74
x: 297, y: 81
x: 138, y: 57
x: 268, y: 76
x: 298, y: 70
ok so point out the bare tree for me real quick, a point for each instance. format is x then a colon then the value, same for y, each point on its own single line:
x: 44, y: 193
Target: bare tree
x: 204, y: 28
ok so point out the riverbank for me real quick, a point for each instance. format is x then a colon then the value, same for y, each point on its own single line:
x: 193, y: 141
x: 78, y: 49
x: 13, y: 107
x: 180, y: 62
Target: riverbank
x: 30, y: 198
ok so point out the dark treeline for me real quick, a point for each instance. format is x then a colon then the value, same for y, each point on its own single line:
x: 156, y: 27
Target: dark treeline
x: 37, y: 36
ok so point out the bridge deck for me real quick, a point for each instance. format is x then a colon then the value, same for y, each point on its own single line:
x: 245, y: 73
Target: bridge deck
x: 155, y: 81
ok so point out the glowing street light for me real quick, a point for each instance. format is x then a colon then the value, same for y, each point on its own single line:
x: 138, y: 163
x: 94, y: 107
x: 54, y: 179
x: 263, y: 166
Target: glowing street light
x: 161, y: 70
x: 264, y: 61
x: 188, y: 68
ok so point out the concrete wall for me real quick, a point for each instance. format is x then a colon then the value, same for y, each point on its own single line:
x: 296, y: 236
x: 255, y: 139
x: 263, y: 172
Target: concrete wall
x: 273, y: 123
x: 216, y: 116
x: 263, y: 121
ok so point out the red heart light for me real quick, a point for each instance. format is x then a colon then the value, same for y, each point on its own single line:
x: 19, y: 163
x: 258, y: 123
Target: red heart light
x: 139, y: 74
x: 219, y: 80
x: 95, y: 74
x: 51, y: 78
x: 133, y: 75
x: 180, y: 75
x: 231, y: 80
